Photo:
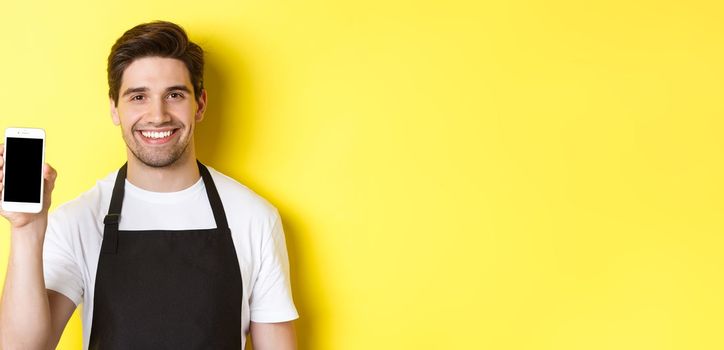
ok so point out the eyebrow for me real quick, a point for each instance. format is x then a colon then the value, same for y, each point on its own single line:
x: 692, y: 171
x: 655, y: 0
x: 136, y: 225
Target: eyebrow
x: 178, y: 88
x: 145, y: 89
x: 134, y: 90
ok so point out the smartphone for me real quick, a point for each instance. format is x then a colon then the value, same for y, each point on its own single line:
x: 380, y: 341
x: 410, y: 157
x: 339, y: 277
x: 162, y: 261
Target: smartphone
x: 23, y: 170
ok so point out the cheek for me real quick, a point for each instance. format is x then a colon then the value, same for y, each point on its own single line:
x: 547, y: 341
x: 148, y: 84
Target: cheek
x: 130, y: 112
x: 183, y: 111
x: 129, y: 115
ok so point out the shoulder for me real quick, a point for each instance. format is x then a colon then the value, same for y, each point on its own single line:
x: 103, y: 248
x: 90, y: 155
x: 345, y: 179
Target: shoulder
x: 89, y: 205
x: 242, y: 201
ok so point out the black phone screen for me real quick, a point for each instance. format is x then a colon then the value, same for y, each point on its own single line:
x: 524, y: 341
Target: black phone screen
x: 23, y: 169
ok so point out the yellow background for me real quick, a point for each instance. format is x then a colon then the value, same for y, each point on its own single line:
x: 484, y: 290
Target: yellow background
x: 451, y: 174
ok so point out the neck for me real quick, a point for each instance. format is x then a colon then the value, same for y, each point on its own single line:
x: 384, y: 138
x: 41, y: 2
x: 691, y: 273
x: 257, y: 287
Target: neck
x: 182, y: 174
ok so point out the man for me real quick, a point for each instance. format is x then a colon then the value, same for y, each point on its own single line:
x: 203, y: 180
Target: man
x: 164, y: 253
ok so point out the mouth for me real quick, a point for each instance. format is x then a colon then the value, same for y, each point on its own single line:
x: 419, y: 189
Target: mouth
x: 156, y: 137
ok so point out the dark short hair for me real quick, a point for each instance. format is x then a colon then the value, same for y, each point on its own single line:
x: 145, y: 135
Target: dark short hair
x: 154, y: 39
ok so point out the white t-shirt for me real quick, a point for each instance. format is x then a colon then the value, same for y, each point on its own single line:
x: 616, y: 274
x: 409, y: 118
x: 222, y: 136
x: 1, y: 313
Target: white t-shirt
x: 75, y: 232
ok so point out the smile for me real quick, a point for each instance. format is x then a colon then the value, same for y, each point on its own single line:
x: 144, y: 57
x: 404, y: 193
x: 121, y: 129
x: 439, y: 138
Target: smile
x: 157, y: 136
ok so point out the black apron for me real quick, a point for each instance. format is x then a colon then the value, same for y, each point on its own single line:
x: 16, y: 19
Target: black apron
x: 161, y: 289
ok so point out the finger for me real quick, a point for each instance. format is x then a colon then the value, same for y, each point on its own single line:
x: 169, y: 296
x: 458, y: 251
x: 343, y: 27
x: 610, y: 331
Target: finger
x: 50, y: 175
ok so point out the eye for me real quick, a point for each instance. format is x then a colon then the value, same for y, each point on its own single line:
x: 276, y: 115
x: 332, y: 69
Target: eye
x: 137, y: 98
x: 175, y: 95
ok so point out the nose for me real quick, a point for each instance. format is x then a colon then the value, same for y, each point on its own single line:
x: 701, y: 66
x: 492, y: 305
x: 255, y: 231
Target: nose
x: 158, y: 113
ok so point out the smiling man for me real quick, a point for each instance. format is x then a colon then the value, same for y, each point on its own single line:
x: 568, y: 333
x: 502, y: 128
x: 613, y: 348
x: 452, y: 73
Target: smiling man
x: 164, y: 253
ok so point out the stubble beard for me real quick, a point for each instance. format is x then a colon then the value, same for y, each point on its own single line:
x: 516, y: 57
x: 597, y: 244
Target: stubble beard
x: 156, y: 158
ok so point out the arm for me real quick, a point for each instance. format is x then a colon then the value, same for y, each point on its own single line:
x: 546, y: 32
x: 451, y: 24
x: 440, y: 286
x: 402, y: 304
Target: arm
x: 30, y: 316
x: 276, y: 336
x: 271, y: 300
x: 61, y: 308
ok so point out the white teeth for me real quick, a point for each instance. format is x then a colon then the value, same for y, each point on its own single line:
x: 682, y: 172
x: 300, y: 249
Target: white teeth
x: 156, y: 134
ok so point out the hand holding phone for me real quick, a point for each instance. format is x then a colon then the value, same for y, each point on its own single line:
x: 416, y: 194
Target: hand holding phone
x: 25, y: 181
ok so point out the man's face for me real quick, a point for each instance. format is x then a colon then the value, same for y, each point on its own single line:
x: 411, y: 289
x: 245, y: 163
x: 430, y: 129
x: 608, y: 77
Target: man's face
x: 157, y: 110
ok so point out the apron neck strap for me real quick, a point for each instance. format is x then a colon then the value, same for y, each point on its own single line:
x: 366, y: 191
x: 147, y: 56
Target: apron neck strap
x: 216, y: 206
x: 113, y: 218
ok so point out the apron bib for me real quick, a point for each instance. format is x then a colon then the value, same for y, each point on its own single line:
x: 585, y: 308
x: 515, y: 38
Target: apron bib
x: 163, y: 289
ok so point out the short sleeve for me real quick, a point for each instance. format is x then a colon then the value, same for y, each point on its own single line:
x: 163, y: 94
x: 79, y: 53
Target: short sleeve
x: 60, y: 268
x: 271, y: 297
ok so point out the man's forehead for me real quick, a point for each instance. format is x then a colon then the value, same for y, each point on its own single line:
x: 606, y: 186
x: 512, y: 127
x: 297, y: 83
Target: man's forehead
x: 155, y: 73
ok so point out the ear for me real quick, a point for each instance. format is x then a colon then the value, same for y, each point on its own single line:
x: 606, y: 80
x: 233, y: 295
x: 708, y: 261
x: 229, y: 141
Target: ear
x: 201, y: 102
x: 114, y: 112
